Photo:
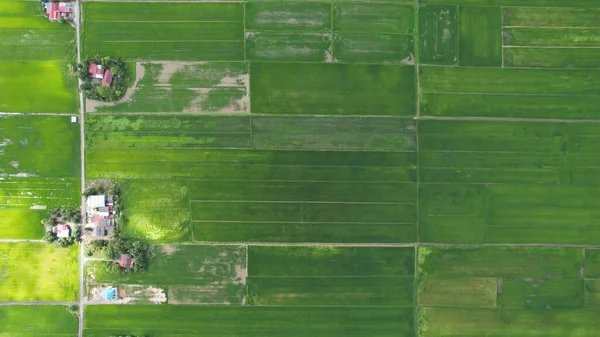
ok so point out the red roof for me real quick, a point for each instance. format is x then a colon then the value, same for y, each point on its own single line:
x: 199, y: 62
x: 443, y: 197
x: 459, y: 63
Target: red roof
x: 126, y: 261
x: 97, y: 219
x: 95, y: 70
x: 53, y: 12
x: 107, y: 80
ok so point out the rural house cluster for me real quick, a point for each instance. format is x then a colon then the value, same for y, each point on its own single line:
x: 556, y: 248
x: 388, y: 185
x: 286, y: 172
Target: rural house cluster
x: 105, y: 76
x: 56, y: 11
x: 100, y: 214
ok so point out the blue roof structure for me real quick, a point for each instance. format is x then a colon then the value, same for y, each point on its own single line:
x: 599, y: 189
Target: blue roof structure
x: 110, y: 294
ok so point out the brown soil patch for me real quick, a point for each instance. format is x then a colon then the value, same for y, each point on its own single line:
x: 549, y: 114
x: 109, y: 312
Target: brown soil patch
x: 168, y: 249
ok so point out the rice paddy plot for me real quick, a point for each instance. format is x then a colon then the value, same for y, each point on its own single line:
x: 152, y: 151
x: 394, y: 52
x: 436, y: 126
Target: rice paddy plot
x: 26, y: 35
x: 327, y: 276
x: 480, y: 36
x: 508, y: 182
x: 37, y: 272
x: 334, y: 133
x: 38, y: 86
x: 374, y: 48
x: 161, y: 31
x: 205, y: 321
x: 509, y: 92
x: 374, y: 18
x: 156, y: 210
x: 24, y: 201
x: 438, y: 29
x: 49, y: 319
x: 288, y: 46
x: 333, y: 89
x: 190, y: 87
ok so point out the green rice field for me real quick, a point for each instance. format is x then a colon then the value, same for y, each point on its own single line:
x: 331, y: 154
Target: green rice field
x: 52, y: 320
x: 39, y: 168
x: 33, y: 55
x: 422, y: 168
x: 38, y: 272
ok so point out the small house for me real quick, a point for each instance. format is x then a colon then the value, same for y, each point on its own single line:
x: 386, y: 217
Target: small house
x: 103, y: 211
x: 61, y: 231
x: 95, y: 201
x: 126, y: 261
x: 96, y: 71
x: 58, y: 10
x: 108, y: 77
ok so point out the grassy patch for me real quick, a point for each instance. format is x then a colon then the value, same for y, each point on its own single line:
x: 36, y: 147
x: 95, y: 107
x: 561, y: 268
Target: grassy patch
x: 38, y: 272
x: 438, y: 30
x: 250, y: 321
x: 132, y: 31
x: 330, y: 261
x: 479, y: 292
x: 41, y: 86
x: 332, y: 89
x: 52, y: 320
x: 480, y: 40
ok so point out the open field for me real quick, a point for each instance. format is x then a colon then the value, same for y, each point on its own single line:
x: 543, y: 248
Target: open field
x: 37, y: 272
x: 331, y: 190
x: 51, y: 320
x: 282, y: 300
x: 39, y: 163
x: 249, y: 321
x: 165, y: 31
x: 508, y: 182
x: 532, y: 93
x: 33, y: 55
x: 187, y: 274
x: 187, y: 87
x: 339, y: 89
x: 512, y: 292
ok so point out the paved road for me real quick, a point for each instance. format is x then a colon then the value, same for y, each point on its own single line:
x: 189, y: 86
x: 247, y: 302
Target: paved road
x: 82, y: 140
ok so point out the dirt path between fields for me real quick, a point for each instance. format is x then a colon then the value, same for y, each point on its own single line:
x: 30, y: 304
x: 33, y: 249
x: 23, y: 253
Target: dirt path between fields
x: 3, y: 304
x: 509, y: 119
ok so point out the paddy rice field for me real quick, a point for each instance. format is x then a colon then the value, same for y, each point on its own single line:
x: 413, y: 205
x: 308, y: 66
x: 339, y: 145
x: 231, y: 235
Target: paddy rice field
x: 33, y: 61
x: 456, y: 138
x: 384, y: 168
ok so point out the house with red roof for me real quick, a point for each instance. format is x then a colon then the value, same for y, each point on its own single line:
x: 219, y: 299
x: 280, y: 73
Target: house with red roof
x: 58, y: 10
x: 96, y: 71
x: 108, y: 77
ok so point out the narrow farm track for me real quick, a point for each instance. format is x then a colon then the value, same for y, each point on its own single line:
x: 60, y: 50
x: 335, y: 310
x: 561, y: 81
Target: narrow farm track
x: 509, y: 119
x: 3, y: 304
x: 20, y: 240
x: 397, y: 245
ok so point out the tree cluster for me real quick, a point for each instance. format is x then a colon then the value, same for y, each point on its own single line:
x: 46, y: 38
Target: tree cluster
x: 96, y: 91
x: 119, y: 245
x: 63, y: 215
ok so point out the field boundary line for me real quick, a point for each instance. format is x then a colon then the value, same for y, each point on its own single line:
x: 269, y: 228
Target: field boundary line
x: 502, y: 35
x: 37, y: 113
x: 551, y: 27
x: 301, y: 222
x: 332, y: 276
x: 22, y: 240
x: 478, y: 93
x: 6, y: 304
x: 303, y: 202
x: 511, y: 119
x: 553, y: 47
x: 390, y: 245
